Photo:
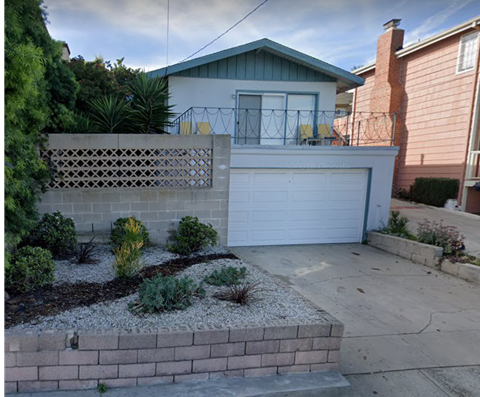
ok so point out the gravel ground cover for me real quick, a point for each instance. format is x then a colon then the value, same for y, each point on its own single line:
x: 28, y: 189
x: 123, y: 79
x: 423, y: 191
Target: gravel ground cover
x: 273, y: 302
x: 102, y: 271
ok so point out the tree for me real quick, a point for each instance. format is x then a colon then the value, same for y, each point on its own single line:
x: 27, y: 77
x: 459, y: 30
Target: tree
x: 99, y: 79
x: 60, y: 85
x: 40, y: 94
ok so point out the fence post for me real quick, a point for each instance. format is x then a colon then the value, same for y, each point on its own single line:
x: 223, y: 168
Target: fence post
x: 358, y: 134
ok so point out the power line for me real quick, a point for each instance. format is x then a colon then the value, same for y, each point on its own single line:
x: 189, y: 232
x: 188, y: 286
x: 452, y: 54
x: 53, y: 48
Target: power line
x: 224, y: 33
x: 168, y: 25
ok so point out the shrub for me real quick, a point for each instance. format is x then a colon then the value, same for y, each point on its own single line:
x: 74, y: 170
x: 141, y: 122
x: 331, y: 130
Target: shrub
x: 434, y: 191
x: 30, y: 267
x: 226, y: 276
x: 192, y: 235
x: 241, y: 294
x: 166, y: 294
x: 118, y: 235
x: 397, y: 226
x: 55, y: 233
x: 435, y: 233
x: 127, y: 262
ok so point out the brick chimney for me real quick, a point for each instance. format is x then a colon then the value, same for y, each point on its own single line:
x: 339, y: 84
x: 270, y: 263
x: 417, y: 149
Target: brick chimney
x: 386, y: 94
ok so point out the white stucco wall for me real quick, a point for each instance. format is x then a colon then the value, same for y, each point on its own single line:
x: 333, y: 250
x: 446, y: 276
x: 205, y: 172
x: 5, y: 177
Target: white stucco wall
x: 189, y: 92
x: 379, y: 160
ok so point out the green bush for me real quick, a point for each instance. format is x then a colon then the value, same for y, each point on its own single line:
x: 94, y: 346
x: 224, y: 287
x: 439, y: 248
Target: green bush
x: 226, y: 276
x: 166, y: 294
x: 30, y: 267
x: 55, y: 233
x: 434, y: 191
x: 118, y: 235
x: 191, y: 236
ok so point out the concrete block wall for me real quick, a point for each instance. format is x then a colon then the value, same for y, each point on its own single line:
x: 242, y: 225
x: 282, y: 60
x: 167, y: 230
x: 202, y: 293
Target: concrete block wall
x: 424, y: 254
x: 69, y: 360
x: 160, y: 209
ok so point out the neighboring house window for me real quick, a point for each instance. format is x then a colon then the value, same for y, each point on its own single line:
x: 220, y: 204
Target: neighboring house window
x: 467, y: 52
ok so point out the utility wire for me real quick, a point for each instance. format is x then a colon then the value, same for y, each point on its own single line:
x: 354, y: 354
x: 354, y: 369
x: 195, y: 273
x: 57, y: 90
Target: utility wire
x: 224, y: 33
x: 168, y: 24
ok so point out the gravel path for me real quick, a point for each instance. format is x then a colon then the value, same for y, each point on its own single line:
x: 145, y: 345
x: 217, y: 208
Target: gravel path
x: 273, y: 302
x: 102, y: 270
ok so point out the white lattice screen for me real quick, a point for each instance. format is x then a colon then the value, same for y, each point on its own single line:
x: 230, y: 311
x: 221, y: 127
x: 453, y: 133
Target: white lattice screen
x: 130, y: 168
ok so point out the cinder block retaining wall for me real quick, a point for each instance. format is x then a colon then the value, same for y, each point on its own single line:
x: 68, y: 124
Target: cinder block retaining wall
x: 159, y: 191
x: 63, y: 360
x: 424, y: 254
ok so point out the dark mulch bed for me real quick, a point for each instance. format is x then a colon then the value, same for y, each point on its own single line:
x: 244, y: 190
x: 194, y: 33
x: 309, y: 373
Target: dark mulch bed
x: 53, y: 299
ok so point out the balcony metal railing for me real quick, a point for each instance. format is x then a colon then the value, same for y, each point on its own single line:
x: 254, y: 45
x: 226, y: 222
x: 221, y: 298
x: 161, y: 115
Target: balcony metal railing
x: 289, y: 127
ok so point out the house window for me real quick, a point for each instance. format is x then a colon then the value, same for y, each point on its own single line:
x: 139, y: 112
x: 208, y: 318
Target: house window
x: 467, y: 52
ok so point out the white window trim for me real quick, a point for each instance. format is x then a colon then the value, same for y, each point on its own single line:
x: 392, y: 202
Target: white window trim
x: 462, y: 38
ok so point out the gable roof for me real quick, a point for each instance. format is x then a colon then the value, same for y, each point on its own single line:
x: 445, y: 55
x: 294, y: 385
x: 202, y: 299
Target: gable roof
x: 344, y: 79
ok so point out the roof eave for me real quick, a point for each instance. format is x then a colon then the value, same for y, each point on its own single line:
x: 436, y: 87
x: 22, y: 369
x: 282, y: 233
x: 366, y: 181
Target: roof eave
x: 348, y: 79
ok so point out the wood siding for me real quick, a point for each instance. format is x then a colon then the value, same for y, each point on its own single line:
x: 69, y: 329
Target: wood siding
x: 256, y: 65
x: 435, y: 110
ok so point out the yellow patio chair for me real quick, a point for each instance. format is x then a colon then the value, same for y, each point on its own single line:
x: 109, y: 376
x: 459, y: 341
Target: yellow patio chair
x: 185, y: 127
x: 306, y: 131
x: 203, y: 128
x: 324, y: 130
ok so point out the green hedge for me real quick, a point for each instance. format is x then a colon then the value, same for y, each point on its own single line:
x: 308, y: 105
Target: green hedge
x: 434, y: 191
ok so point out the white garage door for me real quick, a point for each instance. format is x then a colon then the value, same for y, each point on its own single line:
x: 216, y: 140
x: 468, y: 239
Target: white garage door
x: 279, y: 207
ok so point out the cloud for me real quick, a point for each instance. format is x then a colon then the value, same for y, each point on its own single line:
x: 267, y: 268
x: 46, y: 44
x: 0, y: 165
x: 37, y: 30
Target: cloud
x: 433, y: 24
x: 341, y: 32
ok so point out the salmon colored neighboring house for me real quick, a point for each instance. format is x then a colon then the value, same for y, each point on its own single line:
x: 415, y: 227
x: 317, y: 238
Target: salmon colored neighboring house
x: 433, y: 86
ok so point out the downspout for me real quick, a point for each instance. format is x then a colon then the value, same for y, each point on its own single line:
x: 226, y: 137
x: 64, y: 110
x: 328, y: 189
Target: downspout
x: 474, y: 111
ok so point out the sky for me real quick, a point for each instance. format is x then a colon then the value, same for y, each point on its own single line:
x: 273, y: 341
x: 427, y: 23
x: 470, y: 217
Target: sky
x: 340, y: 32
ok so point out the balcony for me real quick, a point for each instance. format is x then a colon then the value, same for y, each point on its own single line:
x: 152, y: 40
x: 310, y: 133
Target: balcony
x: 289, y: 127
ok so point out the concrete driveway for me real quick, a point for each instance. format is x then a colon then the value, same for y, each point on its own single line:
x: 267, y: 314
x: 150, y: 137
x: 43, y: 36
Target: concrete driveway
x: 409, y: 330
x: 467, y: 224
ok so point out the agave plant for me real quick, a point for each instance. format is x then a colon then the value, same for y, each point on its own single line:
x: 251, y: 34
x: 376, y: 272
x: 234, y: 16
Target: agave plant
x: 150, y: 111
x: 111, y: 114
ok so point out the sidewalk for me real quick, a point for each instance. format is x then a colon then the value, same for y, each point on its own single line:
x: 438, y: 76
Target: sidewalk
x: 467, y: 224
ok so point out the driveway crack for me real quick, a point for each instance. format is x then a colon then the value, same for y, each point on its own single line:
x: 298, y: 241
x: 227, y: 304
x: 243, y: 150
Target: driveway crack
x: 443, y: 312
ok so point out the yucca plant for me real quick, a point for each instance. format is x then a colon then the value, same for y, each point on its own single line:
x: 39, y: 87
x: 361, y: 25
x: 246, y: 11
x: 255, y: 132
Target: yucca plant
x: 111, y: 114
x: 150, y: 111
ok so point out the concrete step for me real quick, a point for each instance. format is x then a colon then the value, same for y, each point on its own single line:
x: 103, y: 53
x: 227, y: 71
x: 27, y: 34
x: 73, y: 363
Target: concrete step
x: 315, y: 384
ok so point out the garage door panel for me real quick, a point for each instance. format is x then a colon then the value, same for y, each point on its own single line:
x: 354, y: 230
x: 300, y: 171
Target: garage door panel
x: 261, y: 178
x: 344, y: 214
x: 277, y: 207
x: 241, y: 179
x: 272, y: 237
x: 307, y: 214
x: 308, y: 178
x: 308, y: 196
x: 342, y: 177
x: 270, y: 197
x: 238, y: 217
x: 239, y: 197
x: 239, y: 236
x: 269, y: 216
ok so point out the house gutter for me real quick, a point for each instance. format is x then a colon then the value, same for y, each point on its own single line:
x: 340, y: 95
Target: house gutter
x: 471, y: 24
x: 472, y: 125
